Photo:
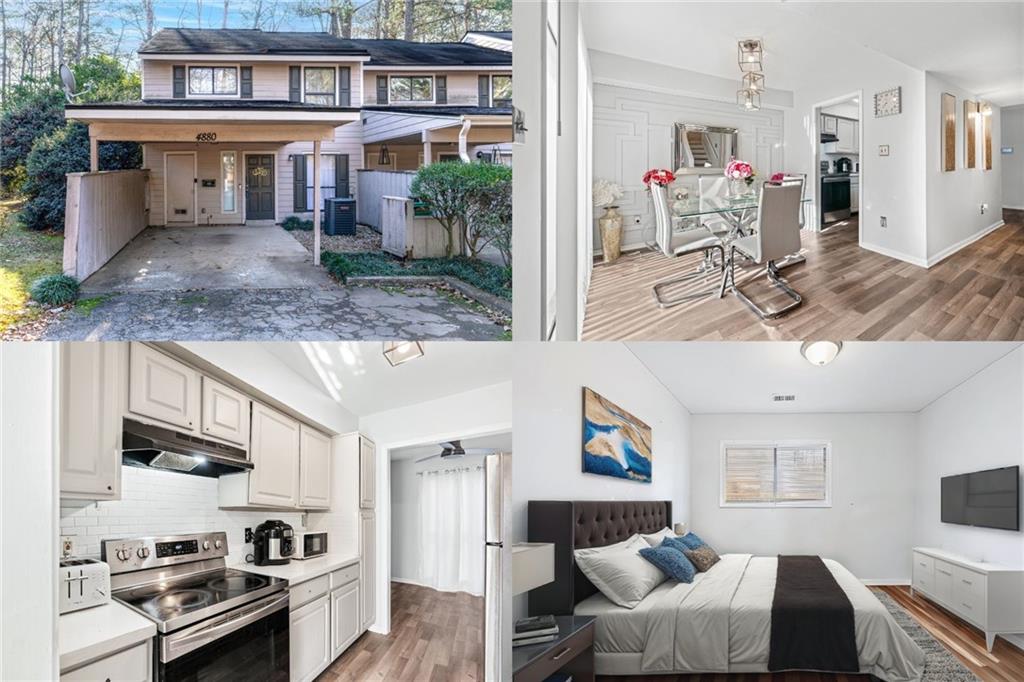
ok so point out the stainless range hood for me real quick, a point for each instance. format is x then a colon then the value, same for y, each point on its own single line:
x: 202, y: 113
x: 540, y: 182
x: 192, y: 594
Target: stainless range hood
x: 155, y: 447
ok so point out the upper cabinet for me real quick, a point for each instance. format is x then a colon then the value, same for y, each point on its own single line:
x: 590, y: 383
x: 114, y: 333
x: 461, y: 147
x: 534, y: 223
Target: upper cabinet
x: 93, y: 378
x: 828, y: 124
x: 847, y: 132
x: 274, y: 451
x: 367, y: 474
x: 225, y: 413
x: 314, y: 469
x: 163, y: 389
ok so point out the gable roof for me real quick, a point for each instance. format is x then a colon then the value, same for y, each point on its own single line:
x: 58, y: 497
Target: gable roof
x: 408, y: 53
x: 247, y: 41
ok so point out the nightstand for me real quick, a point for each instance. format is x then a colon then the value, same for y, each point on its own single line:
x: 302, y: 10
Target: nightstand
x: 572, y: 652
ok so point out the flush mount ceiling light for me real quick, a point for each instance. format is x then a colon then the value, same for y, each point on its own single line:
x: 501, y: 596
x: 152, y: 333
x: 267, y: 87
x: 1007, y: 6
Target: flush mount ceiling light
x: 397, y: 352
x: 751, y: 54
x: 820, y: 353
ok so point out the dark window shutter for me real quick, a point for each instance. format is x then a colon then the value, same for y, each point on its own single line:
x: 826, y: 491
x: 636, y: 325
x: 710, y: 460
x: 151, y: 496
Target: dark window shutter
x: 179, y: 81
x: 382, y: 89
x: 483, y: 89
x: 299, y: 182
x: 246, y: 81
x: 294, y: 84
x: 441, y: 91
x: 341, y: 175
x: 345, y: 74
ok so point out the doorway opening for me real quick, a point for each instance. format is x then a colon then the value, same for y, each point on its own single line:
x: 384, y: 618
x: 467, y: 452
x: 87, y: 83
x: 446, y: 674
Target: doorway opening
x: 837, y: 163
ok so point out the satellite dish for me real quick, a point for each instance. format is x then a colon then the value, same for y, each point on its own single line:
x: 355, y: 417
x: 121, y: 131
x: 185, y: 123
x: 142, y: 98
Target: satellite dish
x: 70, y: 85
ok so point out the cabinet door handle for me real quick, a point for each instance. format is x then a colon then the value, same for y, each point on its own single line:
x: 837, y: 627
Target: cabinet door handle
x: 944, y: 572
x: 561, y: 653
x: 966, y: 604
x: 966, y: 582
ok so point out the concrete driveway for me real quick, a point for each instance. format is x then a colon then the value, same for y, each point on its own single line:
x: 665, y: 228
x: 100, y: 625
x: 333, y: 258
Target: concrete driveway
x: 233, y: 257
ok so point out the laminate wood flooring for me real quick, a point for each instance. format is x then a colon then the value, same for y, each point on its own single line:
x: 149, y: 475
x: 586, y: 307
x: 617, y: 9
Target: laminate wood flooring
x: 849, y: 293
x: 1004, y: 664
x: 435, y: 636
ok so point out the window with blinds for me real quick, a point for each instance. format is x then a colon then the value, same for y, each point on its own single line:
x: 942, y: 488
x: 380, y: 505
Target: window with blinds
x: 794, y: 474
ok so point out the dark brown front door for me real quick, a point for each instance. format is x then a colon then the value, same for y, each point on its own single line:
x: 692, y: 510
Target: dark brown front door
x: 259, y: 187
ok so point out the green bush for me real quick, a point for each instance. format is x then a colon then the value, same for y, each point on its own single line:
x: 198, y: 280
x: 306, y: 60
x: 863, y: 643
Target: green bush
x: 65, y: 150
x: 489, y: 210
x: 54, y: 290
x: 442, y: 187
x: 294, y: 222
x: 489, y: 277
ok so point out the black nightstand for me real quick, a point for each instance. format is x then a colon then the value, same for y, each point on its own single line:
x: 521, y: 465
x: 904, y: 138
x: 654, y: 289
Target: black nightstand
x: 572, y: 652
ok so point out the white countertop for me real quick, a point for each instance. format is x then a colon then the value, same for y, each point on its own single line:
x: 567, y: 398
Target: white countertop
x: 98, y: 631
x: 299, y: 571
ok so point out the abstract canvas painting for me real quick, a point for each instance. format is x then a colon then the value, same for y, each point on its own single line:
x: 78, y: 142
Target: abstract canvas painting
x: 615, y: 443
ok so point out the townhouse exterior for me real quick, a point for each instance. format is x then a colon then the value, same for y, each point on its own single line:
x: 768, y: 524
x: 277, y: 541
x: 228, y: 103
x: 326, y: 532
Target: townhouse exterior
x: 233, y: 122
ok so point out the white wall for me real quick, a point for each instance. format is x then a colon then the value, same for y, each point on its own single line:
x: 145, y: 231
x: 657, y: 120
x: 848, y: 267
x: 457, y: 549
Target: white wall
x: 867, y: 528
x: 28, y: 512
x: 955, y: 197
x: 1013, y: 164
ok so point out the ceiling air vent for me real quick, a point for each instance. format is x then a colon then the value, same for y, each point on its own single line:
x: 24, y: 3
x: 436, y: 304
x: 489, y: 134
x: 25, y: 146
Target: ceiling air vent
x: 783, y: 397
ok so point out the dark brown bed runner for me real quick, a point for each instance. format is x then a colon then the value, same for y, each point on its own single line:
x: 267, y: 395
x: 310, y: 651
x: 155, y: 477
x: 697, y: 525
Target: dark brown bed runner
x: 812, y: 619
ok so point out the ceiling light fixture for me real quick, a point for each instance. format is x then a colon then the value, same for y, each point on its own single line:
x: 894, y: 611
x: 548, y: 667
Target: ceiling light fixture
x: 750, y: 58
x: 751, y: 54
x: 397, y: 352
x: 820, y: 353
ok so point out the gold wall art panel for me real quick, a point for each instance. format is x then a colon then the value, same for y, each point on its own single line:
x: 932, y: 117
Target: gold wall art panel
x: 948, y: 132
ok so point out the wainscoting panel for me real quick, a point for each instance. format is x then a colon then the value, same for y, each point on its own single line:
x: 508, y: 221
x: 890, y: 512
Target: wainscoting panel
x: 633, y: 132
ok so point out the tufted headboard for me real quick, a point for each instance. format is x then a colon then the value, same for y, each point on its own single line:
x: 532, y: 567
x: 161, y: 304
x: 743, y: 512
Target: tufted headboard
x: 577, y: 525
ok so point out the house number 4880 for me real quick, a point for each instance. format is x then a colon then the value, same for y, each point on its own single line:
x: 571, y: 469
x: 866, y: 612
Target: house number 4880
x: 206, y: 137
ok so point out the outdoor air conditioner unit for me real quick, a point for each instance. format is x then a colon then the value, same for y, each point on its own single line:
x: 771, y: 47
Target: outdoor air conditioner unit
x: 341, y: 215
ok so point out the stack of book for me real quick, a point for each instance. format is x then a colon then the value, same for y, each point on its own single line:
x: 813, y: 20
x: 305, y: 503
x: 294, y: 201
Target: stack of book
x: 535, y: 630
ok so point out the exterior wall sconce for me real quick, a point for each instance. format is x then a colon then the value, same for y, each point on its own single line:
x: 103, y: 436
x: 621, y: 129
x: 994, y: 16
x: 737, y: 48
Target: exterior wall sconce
x: 385, y: 156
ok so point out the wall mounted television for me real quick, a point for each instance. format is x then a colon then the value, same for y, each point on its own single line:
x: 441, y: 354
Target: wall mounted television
x: 987, y: 499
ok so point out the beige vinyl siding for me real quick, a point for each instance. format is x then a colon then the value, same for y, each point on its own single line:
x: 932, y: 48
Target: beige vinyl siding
x: 156, y: 80
x: 348, y: 139
x: 462, y: 85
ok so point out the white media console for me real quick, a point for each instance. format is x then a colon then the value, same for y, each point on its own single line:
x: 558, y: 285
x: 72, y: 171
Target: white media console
x: 988, y: 596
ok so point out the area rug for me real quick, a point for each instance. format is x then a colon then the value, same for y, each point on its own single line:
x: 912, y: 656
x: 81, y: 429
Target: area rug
x: 940, y: 663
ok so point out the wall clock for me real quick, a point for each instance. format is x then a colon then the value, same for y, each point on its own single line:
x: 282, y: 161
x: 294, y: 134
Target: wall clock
x: 888, y: 102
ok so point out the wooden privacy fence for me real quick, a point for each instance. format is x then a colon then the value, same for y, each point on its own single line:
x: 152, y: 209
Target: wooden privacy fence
x: 372, y: 186
x: 103, y: 212
x: 406, y: 235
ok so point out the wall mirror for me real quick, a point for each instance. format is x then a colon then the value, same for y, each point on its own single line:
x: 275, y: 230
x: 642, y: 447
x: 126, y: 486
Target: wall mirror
x: 702, y: 147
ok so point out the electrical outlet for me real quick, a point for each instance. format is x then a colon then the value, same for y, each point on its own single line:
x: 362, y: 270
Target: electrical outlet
x: 248, y: 535
x: 67, y: 546
x: 984, y: 207
x: 636, y: 220
x: 883, y: 222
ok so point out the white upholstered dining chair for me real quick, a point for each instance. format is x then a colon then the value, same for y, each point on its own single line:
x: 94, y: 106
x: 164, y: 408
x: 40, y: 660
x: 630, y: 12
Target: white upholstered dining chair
x: 672, y: 243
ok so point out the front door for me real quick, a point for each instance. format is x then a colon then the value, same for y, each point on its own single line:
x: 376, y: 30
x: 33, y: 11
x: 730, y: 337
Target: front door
x: 180, y: 170
x: 259, y: 187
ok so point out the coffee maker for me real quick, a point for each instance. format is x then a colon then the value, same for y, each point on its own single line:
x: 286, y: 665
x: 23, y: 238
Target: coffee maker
x: 272, y: 543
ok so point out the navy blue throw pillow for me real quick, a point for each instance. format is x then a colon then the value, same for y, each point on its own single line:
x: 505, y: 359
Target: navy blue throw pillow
x: 692, y: 541
x: 671, y: 562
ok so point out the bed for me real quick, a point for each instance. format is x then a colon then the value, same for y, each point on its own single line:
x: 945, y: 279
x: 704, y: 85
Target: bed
x: 721, y: 622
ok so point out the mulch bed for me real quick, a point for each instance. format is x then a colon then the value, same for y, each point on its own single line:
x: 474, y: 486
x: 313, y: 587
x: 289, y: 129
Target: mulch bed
x: 365, y: 239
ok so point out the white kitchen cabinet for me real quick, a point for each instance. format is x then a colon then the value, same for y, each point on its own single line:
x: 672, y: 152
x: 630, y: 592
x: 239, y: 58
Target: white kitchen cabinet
x: 847, y: 135
x: 225, y: 413
x: 314, y: 469
x: 345, y: 623
x: 93, y: 382
x: 368, y: 567
x: 309, y: 636
x: 367, y: 473
x: 161, y: 388
x: 133, y: 664
x: 274, y: 451
x: 828, y: 124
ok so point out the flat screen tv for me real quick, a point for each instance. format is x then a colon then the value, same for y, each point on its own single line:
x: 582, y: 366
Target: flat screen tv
x: 988, y: 499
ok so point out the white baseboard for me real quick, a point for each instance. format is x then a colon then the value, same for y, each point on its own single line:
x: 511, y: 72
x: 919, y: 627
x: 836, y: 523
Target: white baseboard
x: 1014, y: 208
x: 1016, y: 640
x: 920, y: 262
x: 886, y: 581
x: 949, y: 251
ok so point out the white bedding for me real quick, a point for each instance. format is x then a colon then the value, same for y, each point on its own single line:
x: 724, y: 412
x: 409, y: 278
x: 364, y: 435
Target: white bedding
x: 722, y: 623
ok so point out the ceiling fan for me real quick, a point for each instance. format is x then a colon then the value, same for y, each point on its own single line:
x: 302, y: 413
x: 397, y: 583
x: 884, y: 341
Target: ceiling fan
x: 454, y: 449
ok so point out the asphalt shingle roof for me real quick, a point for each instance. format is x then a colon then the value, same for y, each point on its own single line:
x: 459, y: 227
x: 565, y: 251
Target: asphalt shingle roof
x: 257, y: 104
x: 442, y: 110
x: 408, y: 53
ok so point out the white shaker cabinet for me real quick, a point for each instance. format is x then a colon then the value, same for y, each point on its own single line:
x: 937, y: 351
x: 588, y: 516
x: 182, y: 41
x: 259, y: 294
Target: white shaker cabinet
x: 310, y: 639
x: 163, y: 389
x: 367, y: 473
x: 345, y: 625
x: 274, y: 479
x: 368, y: 566
x: 93, y: 380
x: 314, y: 469
x: 225, y: 413
x: 133, y: 664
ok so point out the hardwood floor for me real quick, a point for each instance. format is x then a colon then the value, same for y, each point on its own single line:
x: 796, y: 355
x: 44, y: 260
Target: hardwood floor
x: 434, y: 636
x: 1004, y: 664
x: 849, y: 293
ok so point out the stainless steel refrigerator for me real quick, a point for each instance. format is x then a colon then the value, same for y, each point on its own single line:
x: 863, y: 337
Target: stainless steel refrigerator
x: 497, y: 559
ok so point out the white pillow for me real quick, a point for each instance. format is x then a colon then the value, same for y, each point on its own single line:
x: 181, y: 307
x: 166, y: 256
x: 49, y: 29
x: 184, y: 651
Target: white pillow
x: 619, y: 572
x: 654, y: 539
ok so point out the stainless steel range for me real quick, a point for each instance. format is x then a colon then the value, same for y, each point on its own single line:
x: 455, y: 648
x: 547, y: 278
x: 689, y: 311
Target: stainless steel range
x: 213, y: 622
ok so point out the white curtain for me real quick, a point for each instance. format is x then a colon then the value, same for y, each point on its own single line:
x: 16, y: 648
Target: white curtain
x: 452, y: 529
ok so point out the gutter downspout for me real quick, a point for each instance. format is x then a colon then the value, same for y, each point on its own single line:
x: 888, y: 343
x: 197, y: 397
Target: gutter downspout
x: 463, y: 137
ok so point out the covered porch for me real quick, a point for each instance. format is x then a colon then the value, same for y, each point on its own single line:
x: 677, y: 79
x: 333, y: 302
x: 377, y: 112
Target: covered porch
x: 406, y: 139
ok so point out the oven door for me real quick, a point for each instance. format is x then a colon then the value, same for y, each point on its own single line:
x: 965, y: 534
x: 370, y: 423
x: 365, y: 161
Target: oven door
x: 250, y: 643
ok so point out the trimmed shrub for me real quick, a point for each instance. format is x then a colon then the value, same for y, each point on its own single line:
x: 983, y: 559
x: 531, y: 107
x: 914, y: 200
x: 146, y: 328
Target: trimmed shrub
x: 37, y: 110
x: 442, y: 186
x: 489, y: 277
x: 489, y: 211
x: 294, y: 222
x: 54, y: 290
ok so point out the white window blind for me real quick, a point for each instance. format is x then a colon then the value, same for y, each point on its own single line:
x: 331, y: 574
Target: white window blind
x: 776, y: 474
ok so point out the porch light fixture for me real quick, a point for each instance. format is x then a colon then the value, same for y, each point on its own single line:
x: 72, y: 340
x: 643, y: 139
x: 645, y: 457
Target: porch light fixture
x: 820, y: 353
x: 397, y: 352
x: 751, y: 55
x: 385, y: 156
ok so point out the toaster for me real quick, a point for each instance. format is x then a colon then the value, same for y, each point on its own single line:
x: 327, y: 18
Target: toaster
x: 83, y: 583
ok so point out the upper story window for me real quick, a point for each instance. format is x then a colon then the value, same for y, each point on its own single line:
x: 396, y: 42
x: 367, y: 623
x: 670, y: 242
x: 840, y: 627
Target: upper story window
x: 213, y: 80
x: 412, y: 89
x: 501, y: 91
x: 319, y: 85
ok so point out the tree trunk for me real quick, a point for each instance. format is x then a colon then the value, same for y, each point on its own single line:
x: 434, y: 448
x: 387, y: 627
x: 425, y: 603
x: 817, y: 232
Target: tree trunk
x: 224, y: 23
x: 78, y: 34
x: 150, y: 18
x: 60, y: 34
x: 88, y: 26
x: 3, y: 51
x: 410, y: 13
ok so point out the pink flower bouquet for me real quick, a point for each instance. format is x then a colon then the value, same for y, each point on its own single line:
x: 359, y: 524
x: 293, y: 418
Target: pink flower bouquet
x: 739, y: 170
x: 658, y: 176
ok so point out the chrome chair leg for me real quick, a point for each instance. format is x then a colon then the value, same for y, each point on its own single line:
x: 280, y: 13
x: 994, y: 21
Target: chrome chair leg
x: 775, y: 278
x: 701, y: 273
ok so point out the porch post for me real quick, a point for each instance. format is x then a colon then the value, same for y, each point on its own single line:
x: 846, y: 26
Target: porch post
x: 94, y: 154
x: 316, y: 202
x: 428, y: 154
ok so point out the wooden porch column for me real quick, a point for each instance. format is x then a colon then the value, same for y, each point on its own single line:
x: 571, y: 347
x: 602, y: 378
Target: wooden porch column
x: 316, y: 202
x: 428, y: 153
x: 94, y: 154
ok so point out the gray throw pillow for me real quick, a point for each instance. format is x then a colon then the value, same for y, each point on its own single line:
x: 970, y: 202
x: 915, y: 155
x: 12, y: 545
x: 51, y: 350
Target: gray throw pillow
x: 703, y: 558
